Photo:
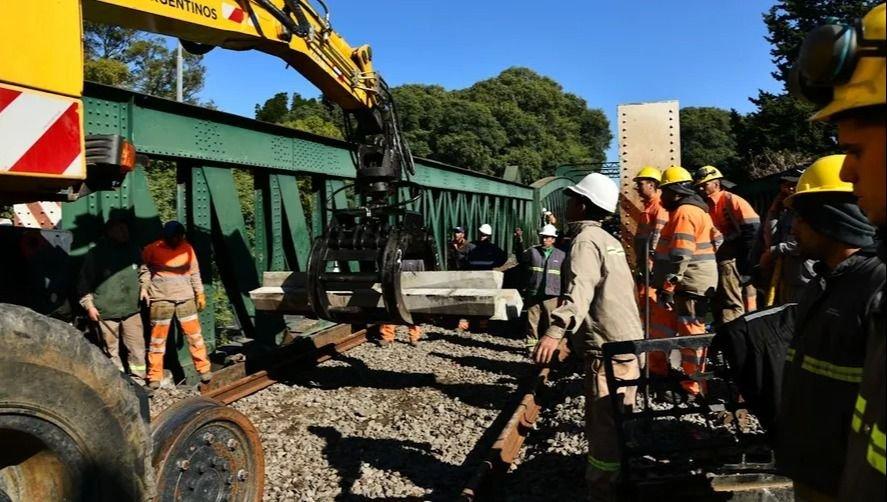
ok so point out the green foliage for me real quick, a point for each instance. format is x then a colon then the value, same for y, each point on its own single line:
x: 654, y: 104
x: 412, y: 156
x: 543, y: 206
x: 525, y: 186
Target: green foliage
x: 518, y: 117
x: 707, y: 138
x: 311, y: 115
x: 778, y: 130
x: 777, y: 134
x: 162, y: 184
x: 139, y: 61
x: 789, y: 21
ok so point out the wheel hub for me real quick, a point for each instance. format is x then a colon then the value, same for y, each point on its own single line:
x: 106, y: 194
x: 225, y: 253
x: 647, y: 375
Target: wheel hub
x: 39, y: 460
x: 205, y: 451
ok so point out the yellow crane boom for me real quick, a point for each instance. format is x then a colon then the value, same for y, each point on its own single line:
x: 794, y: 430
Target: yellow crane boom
x: 42, y: 149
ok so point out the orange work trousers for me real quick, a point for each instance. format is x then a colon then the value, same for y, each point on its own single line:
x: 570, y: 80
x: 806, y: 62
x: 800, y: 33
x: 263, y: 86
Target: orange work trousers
x: 690, y: 312
x: 663, y: 324
x: 387, y: 332
x: 162, y: 314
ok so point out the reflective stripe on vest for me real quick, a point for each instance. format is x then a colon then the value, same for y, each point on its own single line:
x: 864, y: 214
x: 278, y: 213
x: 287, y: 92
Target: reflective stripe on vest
x: 875, y: 454
x: 858, y: 413
x: 540, y: 269
x: 602, y: 465
x: 852, y: 374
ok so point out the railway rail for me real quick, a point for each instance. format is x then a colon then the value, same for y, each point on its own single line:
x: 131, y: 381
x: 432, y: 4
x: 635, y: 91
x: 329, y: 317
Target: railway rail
x: 333, y: 399
x: 237, y: 381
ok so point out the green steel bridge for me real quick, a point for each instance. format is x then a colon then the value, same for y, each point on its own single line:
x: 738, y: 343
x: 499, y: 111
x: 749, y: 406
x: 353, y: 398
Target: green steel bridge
x: 296, y: 177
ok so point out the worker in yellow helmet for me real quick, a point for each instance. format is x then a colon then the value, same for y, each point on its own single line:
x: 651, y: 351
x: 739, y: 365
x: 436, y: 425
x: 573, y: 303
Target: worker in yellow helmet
x: 652, y: 217
x: 843, y: 68
x: 738, y: 222
x: 826, y: 353
x: 685, y: 276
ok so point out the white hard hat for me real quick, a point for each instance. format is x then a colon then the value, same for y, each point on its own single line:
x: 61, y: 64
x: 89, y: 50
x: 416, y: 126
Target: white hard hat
x: 486, y: 229
x: 598, y: 189
x: 548, y: 230
x: 5, y: 222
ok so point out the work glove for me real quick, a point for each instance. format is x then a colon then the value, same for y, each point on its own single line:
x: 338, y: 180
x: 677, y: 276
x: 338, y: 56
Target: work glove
x: 665, y: 298
x: 200, y: 299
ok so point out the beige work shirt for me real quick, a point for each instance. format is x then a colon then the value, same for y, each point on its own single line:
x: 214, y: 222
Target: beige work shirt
x: 598, y: 299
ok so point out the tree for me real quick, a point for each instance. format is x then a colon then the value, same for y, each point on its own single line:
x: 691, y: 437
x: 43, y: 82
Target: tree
x: 544, y: 126
x: 789, y: 21
x: 311, y: 115
x: 275, y: 108
x: 139, y: 61
x: 518, y: 117
x: 778, y: 128
x: 707, y: 138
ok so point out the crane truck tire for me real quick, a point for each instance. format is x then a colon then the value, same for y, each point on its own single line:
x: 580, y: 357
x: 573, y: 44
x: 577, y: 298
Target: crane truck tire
x: 72, y: 427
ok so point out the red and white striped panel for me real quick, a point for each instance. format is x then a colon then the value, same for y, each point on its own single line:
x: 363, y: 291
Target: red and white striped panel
x: 40, y: 133
x: 233, y: 12
x: 44, y: 214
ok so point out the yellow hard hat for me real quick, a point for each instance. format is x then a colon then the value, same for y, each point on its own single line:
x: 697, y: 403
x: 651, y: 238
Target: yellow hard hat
x: 649, y: 173
x: 675, y: 174
x: 822, y: 176
x: 706, y: 173
x: 842, y: 67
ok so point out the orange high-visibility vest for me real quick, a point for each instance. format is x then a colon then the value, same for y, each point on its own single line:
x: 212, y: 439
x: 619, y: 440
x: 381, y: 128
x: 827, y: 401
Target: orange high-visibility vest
x: 685, y: 256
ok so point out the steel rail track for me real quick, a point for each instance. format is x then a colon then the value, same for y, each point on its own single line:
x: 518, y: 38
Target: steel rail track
x: 512, y: 436
x: 240, y: 380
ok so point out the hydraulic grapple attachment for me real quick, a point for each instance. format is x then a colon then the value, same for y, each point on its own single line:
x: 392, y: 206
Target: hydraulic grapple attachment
x: 367, y: 254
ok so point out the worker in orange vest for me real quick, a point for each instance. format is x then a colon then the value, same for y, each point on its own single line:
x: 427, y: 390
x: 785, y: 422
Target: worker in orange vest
x: 738, y: 222
x: 171, y: 285
x: 652, y: 218
x: 685, y: 272
x: 651, y: 221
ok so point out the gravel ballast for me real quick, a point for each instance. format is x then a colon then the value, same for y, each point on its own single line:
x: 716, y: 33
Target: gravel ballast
x: 391, y: 422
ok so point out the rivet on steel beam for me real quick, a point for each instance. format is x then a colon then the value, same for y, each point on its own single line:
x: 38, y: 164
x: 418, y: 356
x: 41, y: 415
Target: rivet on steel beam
x: 242, y: 475
x: 231, y: 444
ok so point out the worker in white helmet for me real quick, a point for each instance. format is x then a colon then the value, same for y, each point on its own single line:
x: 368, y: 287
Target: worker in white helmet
x: 597, y: 306
x: 541, y: 267
x: 485, y: 255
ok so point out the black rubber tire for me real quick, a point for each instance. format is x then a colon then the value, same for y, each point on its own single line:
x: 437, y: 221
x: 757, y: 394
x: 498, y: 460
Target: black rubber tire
x: 49, y: 370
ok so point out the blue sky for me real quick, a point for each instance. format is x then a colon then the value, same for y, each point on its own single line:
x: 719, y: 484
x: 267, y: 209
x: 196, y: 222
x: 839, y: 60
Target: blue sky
x: 702, y: 53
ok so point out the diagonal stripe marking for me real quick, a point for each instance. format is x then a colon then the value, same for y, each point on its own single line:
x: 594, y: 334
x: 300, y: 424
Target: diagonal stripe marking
x: 6, y: 97
x: 55, y: 150
x: 23, y: 122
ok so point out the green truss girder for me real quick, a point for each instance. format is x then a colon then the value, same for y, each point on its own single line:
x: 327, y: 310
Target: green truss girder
x: 207, y: 144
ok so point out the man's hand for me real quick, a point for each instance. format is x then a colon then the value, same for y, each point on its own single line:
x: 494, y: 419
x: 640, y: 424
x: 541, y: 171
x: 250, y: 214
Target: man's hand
x: 519, y: 232
x: 545, y: 349
x: 665, y: 298
x: 93, y: 314
x: 144, y: 298
x: 200, y: 298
